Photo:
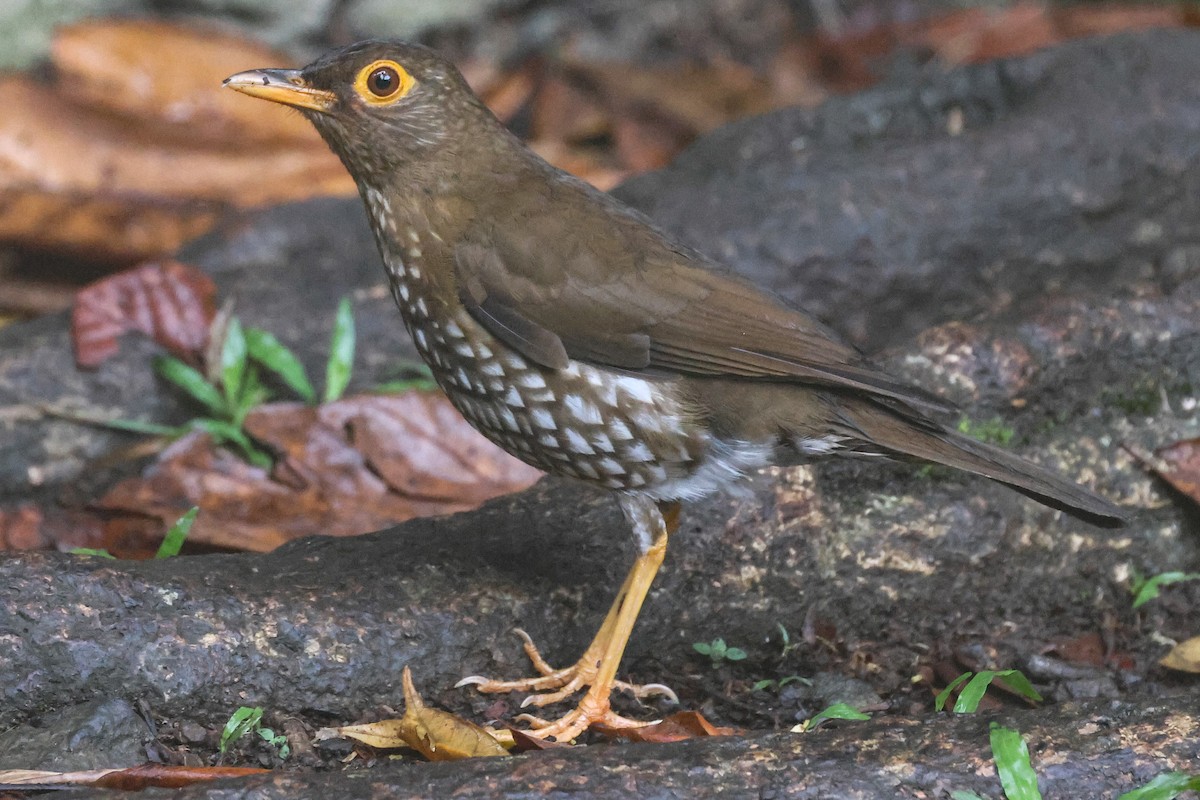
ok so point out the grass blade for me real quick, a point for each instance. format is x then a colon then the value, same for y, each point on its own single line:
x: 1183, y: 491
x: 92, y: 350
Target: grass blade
x: 940, y: 701
x: 1149, y: 589
x: 233, y: 362
x: 1167, y: 786
x: 172, y: 543
x: 341, y: 353
x: 192, y: 382
x: 264, y: 348
x: 1013, y: 765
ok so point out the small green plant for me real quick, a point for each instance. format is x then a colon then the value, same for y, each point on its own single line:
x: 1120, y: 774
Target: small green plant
x: 247, y: 719
x: 992, y: 431
x: 172, y: 542
x: 1167, y: 786
x: 235, y: 385
x: 718, y: 651
x: 977, y: 686
x: 1019, y: 780
x: 1146, y: 589
x: 776, y: 685
x: 1011, y: 755
x: 835, y: 711
x: 788, y: 646
x: 341, y: 353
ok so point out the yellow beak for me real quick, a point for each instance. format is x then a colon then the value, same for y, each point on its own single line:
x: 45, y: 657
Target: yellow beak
x: 285, y: 86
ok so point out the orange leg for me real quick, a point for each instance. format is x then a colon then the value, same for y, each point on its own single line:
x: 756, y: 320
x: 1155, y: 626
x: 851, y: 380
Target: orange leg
x: 597, y: 668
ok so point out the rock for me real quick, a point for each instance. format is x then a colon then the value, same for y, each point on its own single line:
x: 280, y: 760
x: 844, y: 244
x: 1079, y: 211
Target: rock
x: 98, y: 734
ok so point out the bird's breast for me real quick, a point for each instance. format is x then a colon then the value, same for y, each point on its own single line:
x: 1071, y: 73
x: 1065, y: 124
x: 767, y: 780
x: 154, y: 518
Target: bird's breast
x: 614, y: 429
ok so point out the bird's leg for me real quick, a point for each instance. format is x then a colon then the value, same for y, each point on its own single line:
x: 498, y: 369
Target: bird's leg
x: 597, y: 668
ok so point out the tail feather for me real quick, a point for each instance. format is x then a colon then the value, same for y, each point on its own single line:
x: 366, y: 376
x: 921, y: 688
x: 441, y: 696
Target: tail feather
x: 910, y: 434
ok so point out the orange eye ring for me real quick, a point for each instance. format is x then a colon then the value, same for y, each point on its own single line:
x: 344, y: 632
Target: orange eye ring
x: 383, y: 82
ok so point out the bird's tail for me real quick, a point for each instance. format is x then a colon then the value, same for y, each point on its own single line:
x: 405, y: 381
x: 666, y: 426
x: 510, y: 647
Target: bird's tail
x: 910, y: 434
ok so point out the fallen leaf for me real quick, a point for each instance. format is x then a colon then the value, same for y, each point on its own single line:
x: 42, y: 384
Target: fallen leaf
x: 675, y: 728
x: 172, y: 303
x: 524, y: 743
x: 343, y: 468
x: 170, y: 77
x: 145, y: 776
x: 1087, y: 648
x: 1179, y: 465
x: 438, y: 735
x: 1184, y: 657
x: 134, y: 147
x: 21, y: 528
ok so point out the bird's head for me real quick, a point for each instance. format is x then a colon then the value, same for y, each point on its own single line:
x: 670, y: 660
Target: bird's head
x: 381, y: 105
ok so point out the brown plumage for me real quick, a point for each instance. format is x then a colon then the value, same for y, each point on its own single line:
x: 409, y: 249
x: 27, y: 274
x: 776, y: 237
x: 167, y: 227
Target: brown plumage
x: 581, y: 338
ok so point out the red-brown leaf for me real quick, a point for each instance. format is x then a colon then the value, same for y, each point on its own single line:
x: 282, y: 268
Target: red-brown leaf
x: 343, y: 468
x: 1180, y: 466
x: 171, y: 302
x: 675, y: 728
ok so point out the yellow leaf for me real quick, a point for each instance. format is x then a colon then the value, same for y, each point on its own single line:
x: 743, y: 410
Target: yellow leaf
x: 437, y: 735
x: 1184, y: 657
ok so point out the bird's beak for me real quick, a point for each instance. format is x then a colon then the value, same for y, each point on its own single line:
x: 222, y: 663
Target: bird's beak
x: 285, y: 86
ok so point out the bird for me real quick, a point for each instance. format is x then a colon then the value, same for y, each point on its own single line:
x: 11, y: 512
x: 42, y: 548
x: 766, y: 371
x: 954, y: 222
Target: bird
x: 580, y: 337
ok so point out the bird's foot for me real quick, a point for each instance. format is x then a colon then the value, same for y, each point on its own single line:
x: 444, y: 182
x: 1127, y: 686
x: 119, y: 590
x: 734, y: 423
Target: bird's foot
x: 593, y: 709
x: 555, y: 685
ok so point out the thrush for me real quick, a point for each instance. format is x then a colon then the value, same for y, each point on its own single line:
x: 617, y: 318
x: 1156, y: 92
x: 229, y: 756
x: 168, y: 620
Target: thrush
x: 587, y: 342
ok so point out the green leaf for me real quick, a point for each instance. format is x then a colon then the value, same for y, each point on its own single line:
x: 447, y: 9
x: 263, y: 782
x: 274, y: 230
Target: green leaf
x: 972, y: 693
x: 963, y: 794
x: 1167, y: 786
x: 794, y: 679
x: 172, y: 543
x: 1015, y: 679
x: 227, y: 433
x: 703, y: 648
x: 735, y: 654
x: 244, y: 720
x: 233, y: 362
x: 91, y: 551
x: 836, y: 711
x: 1012, y: 764
x: 192, y: 382
x: 940, y: 701
x: 341, y: 353
x: 253, y: 394
x: 1149, y: 589
x: 763, y: 684
x: 264, y: 348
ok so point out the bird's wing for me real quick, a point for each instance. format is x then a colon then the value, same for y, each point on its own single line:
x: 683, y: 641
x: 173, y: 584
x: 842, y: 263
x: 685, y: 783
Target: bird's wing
x: 627, y: 297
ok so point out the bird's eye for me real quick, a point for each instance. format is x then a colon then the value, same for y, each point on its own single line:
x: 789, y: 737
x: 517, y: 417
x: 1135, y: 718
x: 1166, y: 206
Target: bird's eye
x: 383, y: 82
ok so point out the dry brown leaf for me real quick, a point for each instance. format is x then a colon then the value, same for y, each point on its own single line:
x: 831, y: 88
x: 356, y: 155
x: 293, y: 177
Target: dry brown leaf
x: 21, y: 528
x: 344, y: 468
x: 171, y: 76
x: 54, y: 144
x: 135, y: 147
x: 675, y: 728
x: 1179, y: 465
x: 1087, y: 648
x: 438, y: 735
x: 119, y: 228
x: 172, y: 303
x: 145, y: 776
x: 1184, y: 657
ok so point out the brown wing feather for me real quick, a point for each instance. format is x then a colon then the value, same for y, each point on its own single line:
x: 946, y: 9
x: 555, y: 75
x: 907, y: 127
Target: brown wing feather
x: 631, y: 298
